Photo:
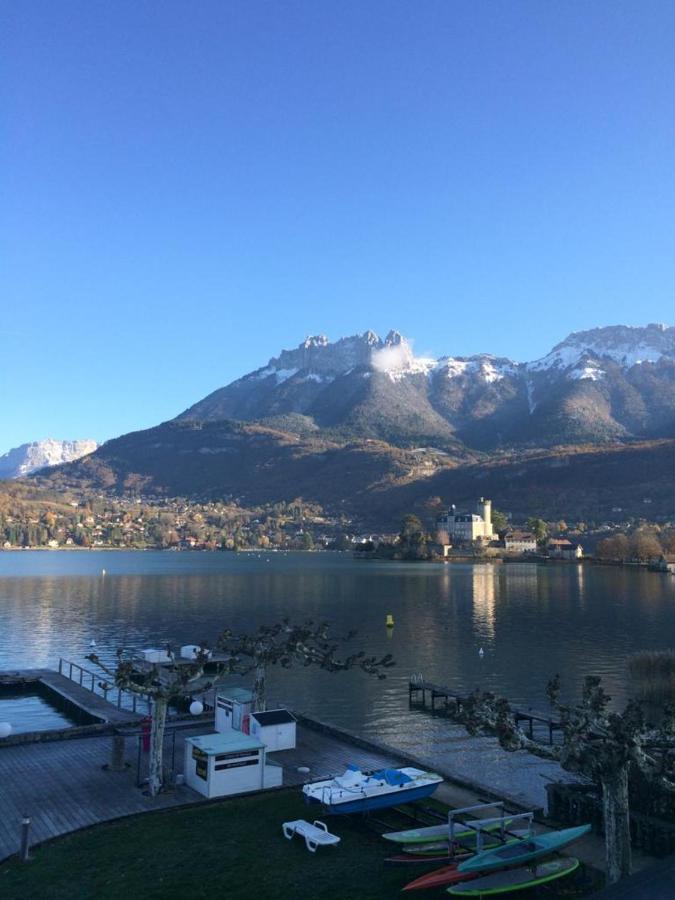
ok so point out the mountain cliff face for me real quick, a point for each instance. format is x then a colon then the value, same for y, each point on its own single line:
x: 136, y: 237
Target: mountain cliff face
x: 39, y: 454
x: 599, y: 385
x: 368, y: 429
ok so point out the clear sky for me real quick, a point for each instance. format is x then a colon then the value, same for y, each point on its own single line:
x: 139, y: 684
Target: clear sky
x: 188, y: 187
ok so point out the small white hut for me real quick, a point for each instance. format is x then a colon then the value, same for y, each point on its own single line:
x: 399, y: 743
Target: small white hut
x: 275, y: 728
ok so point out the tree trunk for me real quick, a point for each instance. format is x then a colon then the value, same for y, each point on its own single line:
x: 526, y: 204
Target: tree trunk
x: 259, y: 700
x: 159, y: 708
x: 617, y: 824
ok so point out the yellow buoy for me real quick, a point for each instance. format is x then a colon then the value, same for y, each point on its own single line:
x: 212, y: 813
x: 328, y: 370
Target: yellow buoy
x: 390, y: 621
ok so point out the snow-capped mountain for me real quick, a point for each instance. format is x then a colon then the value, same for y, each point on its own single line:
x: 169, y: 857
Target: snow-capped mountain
x: 40, y: 454
x: 624, y: 345
x: 365, y: 427
x: 600, y: 384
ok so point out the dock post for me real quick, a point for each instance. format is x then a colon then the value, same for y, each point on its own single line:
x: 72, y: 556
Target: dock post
x: 117, y: 754
x: 25, y: 841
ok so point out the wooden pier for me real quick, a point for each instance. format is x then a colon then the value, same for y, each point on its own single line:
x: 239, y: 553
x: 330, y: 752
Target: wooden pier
x: 452, y: 700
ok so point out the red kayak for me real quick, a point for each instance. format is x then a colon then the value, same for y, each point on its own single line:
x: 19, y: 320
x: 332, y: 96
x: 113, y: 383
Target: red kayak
x: 439, y: 878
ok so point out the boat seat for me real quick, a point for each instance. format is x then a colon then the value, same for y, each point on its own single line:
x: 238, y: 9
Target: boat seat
x: 315, y: 835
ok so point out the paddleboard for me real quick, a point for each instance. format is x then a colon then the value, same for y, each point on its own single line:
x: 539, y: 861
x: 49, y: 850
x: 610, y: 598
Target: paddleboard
x: 406, y: 859
x: 428, y: 834
x: 445, y: 875
x: 515, y: 879
x: 464, y: 846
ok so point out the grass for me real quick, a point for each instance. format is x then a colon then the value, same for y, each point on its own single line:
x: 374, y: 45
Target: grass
x: 232, y: 849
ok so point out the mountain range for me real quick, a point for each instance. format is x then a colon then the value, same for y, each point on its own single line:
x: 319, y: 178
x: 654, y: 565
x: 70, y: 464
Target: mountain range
x: 362, y: 421
x: 605, y: 384
x: 37, y: 455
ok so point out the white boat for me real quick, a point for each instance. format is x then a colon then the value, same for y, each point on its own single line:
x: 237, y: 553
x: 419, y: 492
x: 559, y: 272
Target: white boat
x: 356, y: 791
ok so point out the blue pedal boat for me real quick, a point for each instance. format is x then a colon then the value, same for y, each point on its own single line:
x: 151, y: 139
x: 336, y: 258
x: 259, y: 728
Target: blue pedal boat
x: 356, y: 791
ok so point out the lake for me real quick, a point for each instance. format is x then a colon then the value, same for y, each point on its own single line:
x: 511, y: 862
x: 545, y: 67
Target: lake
x: 532, y: 621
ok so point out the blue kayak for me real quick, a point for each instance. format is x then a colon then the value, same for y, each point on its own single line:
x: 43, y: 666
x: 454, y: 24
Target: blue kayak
x: 519, y: 852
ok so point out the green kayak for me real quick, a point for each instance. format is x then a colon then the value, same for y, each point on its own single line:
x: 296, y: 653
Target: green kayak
x: 515, y: 879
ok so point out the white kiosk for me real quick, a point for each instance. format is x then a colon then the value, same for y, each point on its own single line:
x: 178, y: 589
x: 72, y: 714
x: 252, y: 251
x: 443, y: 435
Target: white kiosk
x: 275, y: 728
x: 217, y: 765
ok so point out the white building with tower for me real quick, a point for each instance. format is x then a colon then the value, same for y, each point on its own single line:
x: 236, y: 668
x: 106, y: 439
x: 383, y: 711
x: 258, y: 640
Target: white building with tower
x: 457, y: 527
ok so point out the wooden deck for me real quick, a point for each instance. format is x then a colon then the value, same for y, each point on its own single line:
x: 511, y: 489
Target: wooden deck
x: 62, y: 786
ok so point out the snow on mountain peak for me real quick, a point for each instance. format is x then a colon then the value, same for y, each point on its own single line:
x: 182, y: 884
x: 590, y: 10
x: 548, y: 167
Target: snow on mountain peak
x: 315, y: 340
x: 36, y: 455
x: 487, y: 367
x: 625, y: 345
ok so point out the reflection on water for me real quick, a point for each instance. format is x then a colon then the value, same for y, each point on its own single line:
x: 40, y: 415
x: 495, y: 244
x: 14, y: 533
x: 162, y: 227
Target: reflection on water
x: 532, y: 621
x: 484, y: 593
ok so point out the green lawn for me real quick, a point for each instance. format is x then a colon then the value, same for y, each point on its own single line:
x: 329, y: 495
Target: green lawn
x: 233, y: 849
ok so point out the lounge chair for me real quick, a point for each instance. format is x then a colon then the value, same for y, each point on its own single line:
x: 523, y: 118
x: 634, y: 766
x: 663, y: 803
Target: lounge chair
x: 316, y: 835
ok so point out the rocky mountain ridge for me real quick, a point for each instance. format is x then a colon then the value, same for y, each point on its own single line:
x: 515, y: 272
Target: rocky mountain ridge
x: 604, y: 384
x: 36, y: 455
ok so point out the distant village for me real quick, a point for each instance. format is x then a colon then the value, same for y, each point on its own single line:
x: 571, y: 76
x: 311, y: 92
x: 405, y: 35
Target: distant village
x: 101, y: 522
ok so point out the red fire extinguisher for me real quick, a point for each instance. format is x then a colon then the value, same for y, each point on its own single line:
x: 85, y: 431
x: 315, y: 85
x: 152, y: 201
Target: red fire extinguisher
x: 146, y: 725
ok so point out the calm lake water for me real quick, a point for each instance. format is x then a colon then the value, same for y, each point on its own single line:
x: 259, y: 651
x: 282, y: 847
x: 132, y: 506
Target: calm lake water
x: 531, y: 620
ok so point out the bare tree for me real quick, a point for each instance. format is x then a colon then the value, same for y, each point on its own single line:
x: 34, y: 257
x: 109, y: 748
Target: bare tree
x: 164, y: 683
x: 286, y: 644
x: 597, y: 743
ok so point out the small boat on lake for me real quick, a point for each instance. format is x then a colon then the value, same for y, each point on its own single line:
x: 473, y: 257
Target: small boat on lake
x: 356, y: 791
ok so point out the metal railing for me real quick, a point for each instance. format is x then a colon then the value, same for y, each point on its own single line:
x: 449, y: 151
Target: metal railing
x: 95, y: 683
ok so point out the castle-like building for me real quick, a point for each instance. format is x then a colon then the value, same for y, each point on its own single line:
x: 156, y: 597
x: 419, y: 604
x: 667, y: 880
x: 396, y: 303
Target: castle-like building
x: 454, y: 527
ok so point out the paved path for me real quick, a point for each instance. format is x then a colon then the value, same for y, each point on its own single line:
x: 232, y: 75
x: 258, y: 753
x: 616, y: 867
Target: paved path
x: 62, y: 786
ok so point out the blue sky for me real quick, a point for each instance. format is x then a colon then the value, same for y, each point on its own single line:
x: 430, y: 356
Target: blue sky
x: 189, y: 187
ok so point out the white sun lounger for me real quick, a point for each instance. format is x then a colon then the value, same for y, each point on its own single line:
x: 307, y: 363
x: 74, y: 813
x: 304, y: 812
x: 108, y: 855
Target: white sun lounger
x: 316, y: 835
